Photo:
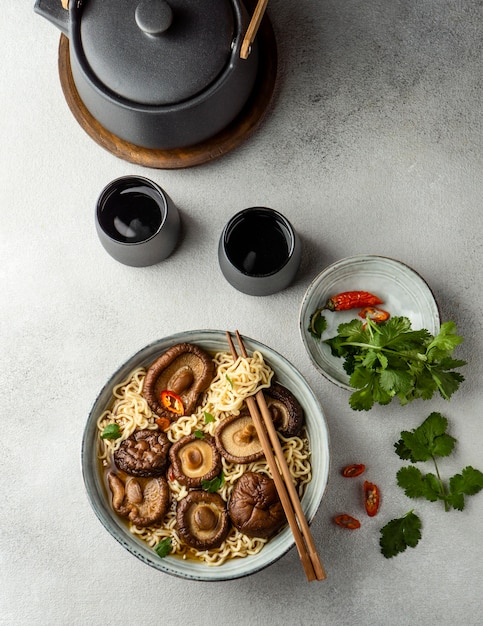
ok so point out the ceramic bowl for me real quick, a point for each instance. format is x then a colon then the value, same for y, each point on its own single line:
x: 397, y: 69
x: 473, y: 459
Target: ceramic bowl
x: 287, y: 375
x: 403, y: 291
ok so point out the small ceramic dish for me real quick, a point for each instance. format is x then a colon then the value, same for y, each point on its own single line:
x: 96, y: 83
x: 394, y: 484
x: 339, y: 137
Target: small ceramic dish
x: 212, y: 341
x: 403, y: 291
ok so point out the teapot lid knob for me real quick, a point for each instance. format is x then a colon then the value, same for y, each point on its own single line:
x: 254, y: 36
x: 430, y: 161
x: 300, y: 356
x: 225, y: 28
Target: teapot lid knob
x: 153, y: 17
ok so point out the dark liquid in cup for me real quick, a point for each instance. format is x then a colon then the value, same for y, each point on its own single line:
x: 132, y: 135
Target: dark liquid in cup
x: 258, y: 244
x: 131, y: 215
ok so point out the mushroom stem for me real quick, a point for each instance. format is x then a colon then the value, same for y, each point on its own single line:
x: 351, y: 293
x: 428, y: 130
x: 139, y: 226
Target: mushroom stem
x: 246, y: 435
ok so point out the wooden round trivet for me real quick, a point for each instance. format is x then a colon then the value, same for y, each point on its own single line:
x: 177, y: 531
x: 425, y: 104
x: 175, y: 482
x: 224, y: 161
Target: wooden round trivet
x: 228, y: 139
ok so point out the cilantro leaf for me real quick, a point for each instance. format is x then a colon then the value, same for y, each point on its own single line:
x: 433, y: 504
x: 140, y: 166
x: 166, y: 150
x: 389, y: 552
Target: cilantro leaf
x: 427, y: 441
x: 400, y: 533
x: 418, y: 485
x: 468, y: 483
x: 214, y: 484
x: 163, y: 548
x: 317, y: 324
x: 111, y: 431
x: 444, y: 343
x: 199, y: 434
x: 208, y: 417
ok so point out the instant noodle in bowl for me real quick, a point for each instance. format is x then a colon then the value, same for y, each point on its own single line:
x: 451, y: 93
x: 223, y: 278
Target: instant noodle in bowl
x: 107, y: 463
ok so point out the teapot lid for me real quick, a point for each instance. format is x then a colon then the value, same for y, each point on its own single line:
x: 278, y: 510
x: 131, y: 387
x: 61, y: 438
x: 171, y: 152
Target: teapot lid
x: 157, y: 52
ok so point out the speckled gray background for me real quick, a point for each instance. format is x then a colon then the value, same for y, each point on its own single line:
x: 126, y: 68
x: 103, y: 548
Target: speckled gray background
x: 372, y: 145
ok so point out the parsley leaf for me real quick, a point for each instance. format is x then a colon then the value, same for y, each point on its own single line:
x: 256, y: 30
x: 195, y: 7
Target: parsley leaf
x: 163, y: 548
x: 199, y: 434
x: 400, y: 533
x: 111, y: 431
x: 388, y: 359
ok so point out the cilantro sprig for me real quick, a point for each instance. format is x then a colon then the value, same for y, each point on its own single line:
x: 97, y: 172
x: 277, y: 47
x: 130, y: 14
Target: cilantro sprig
x: 389, y: 360
x: 428, y: 442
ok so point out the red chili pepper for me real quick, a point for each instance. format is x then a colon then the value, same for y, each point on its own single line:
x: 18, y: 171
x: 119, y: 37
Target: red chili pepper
x: 351, y: 300
x: 372, y: 498
x: 347, y: 521
x: 172, y: 402
x: 374, y: 313
x: 351, y: 471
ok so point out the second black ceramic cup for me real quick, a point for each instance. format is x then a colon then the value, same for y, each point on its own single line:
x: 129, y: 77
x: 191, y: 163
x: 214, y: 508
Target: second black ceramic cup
x: 136, y: 221
x: 259, y: 251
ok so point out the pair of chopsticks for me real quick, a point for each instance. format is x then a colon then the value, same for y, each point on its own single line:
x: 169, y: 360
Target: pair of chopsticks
x: 281, y: 475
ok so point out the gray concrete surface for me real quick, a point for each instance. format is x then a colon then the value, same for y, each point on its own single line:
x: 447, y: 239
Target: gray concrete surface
x: 372, y: 145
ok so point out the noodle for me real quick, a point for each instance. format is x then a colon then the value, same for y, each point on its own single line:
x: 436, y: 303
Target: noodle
x: 233, y: 383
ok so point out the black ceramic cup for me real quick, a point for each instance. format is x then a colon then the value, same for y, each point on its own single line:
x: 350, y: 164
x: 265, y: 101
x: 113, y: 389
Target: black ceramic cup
x: 259, y: 251
x: 136, y: 221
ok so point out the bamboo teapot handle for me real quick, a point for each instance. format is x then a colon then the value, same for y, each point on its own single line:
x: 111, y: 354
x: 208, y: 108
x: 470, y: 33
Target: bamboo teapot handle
x: 252, y: 28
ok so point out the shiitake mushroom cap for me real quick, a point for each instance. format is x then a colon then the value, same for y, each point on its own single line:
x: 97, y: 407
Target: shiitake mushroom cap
x: 287, y: 413
x: 237, y: 440
x: 254, y: 506
x: 186, y: 370
x: 202, y: 520
x: 144, y: 501
x: 144, y: 453
x: 194, y: 460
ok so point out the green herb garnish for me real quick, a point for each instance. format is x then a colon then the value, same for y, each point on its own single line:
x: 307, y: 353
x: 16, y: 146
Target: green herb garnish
x: 388, y: 360
x: 229, y: 380
x: 427, y: 442
x: 398, y: 534
x: 317, y: 324
x: 163, y: 548
x: 208, y: 417
x: 111, y: 431
x: 199, y: 434
x: 214, y: 484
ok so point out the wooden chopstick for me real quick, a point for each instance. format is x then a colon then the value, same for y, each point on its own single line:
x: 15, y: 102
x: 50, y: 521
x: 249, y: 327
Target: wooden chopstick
x: 280, y: 471
x: 252, y: 29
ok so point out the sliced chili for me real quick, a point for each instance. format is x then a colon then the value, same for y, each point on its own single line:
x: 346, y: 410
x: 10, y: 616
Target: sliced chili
x: 374, y: 313
x: 347, y: 521
x: 172, y: 402
x: 351, y: 471
x: 351, y: 300
x: 372, y: 498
